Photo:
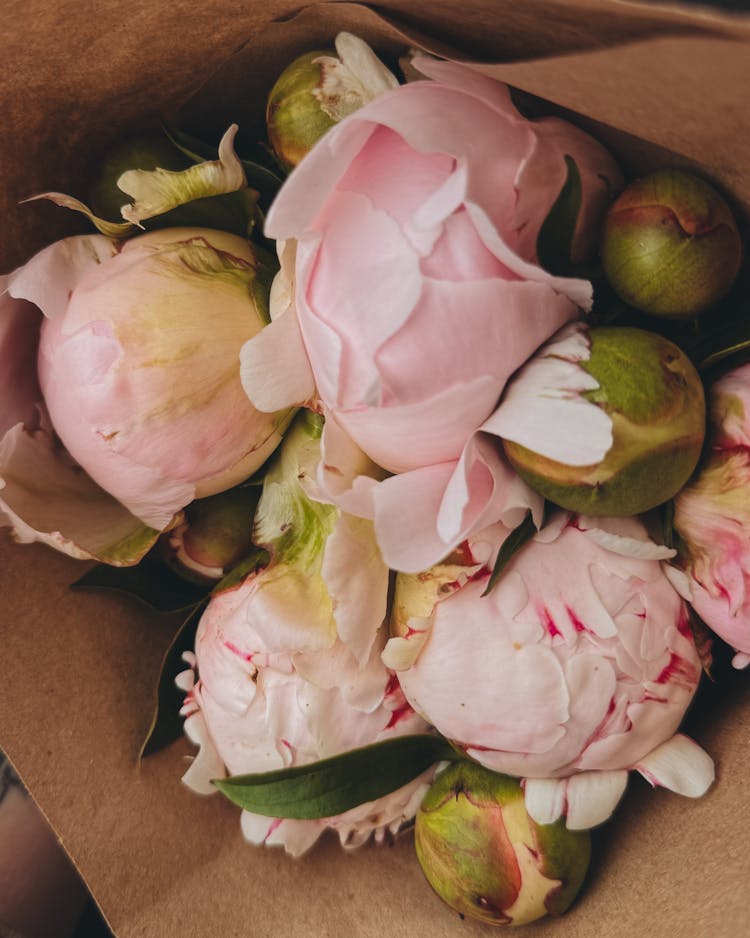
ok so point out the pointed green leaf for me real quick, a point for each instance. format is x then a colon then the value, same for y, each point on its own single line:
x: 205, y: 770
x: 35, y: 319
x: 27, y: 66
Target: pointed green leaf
x: 332, y: 786
x: 166, y: 723
x: 151, y: 581
x: 517, y: 538
x: 555, y: 240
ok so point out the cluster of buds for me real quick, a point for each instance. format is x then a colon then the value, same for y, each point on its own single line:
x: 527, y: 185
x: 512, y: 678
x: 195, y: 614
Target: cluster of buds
x: 452, y: 395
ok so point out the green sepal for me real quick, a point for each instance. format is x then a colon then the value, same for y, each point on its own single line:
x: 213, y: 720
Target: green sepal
x: 151, y: 582
x: 259, y: 176
x: 332, y: 786
x: 166, y: 723
x: 554, y: 244
x: 517, y: 539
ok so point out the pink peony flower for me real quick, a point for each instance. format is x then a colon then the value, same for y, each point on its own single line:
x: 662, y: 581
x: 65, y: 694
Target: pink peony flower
x: 412, y: 294
x: 577, y: 667
x: 289, y: 660
x: 712, y: 516
x: 139, y: 378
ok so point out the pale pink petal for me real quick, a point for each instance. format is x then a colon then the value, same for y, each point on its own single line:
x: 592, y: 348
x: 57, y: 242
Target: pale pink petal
x: 398, y: 180
x: 484, y: 489
x: 478, y: 328
x: 307, y: 189
x: 19, y: 388
x: 740, y: 661
x: 680, y: 765
x: 366, y: 284
x: 578, y: 291
x: 291, y: 610
x: 406, y: 511
x: 345, y: 475
x: 357, y: 581
x: 525, y: 700
x: 402, y: 437
x: 592, y: 797
x: 47, y: 498
x: 425, y: 226
x: 361, y: 684
x: 274, y: 367
x: 48, y: 279
x: 471, y: 82
x: 541, y: 177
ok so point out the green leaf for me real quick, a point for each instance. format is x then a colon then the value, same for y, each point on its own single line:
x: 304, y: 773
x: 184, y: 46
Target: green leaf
x: 332, y: 786
x: 151, y: 581
x: 555, y: 240
x: 166, y: 723
x: 517, y: 538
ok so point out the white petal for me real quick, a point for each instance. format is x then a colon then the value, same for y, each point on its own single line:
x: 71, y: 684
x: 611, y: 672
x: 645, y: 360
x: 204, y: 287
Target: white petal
x: 740, y: 660
x: 357, y: 581
x: 400, y: 654
x: 620, y: 544
x: 544, y: 408
x: 353, y: 79
x: 545, y: 798
x: 592, y: 797
x: 207, y: 764
x: 274, y: 368
x: 680, y: 765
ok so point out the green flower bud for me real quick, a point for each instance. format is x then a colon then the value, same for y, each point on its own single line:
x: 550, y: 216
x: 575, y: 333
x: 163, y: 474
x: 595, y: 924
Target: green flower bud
x: 671, y: 246
x: 216, y: 535
x: 649, y: 426
x: 149, y: 151
x: 318, y: 90
x: 484, y: 855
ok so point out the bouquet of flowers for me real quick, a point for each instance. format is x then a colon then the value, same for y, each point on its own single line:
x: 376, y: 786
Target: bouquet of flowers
x: 437, y: 426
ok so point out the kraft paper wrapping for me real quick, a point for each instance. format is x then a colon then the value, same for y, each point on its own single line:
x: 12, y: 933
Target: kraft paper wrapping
x: 660, y: 85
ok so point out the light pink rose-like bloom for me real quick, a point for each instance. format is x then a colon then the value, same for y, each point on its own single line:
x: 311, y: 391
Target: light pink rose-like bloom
x: 138, y: 376
x: 577, y: 667
x: 409, y: 294
x: 712, y: 516
x: 289, y: 661
x: 258, y: 706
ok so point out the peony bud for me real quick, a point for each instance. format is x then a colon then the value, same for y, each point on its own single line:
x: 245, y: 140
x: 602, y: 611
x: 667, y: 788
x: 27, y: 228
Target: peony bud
x: 671, y: 246
x: 712, y: 517
x: 317, y: 91
x: 216, y: 535
x: 608, y: 421
x: 487, y: 858
x: 145, y: 152
x: 139, y: 365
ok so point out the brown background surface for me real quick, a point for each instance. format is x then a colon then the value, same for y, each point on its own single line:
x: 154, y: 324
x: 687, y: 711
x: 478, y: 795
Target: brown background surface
x: 78, y: 671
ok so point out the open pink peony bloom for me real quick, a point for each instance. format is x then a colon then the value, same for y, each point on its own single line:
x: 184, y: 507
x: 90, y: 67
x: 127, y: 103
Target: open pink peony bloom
x: 415, y: 294
x: 138, y: 376
x: 289, y: 660
x: 712, y: 516
x: 578, y: 666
